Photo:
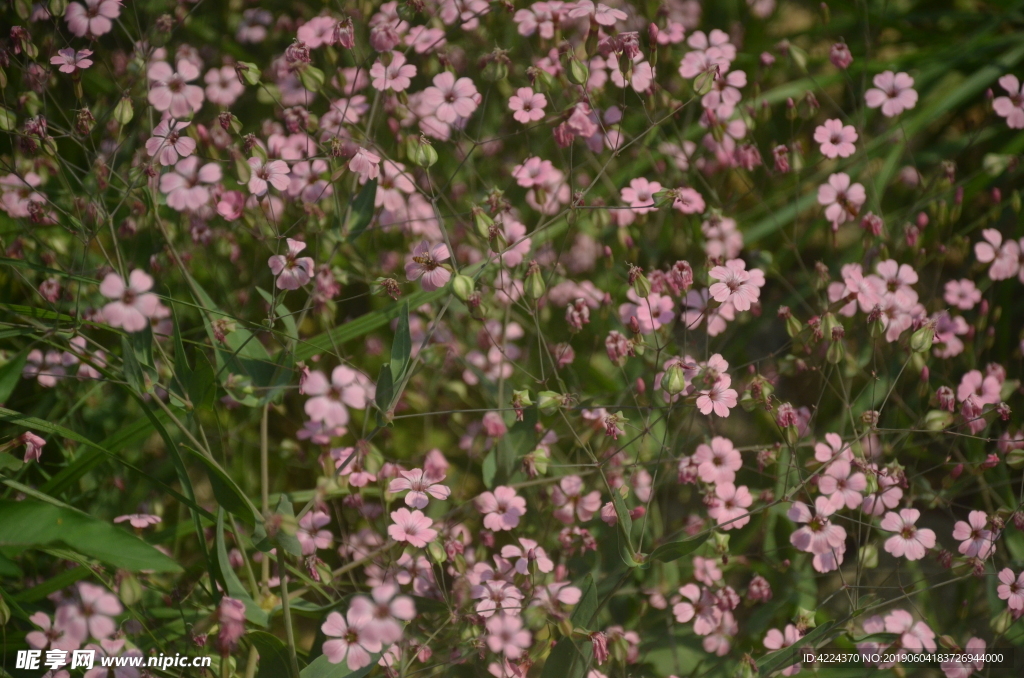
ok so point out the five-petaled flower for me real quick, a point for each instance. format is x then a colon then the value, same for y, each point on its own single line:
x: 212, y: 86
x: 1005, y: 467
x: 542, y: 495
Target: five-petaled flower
x: 71, y: 61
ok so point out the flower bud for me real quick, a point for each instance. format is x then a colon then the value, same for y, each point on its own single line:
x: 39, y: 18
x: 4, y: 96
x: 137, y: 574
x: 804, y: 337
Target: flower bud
x: 578, y: 72
x: 482, y: 222
x: 420, y: 151
x: 123, y: 111
x: 57, y: 8
x: 549, y: 401
x: 462, y: 287
x: 534, y: 286
x: 703, y: 83
x: 840, y: 56
x: 674, y: 381
x: 836, y: 352
x: 437, y: 552
x: 921, y: 340
x: 641, y: 285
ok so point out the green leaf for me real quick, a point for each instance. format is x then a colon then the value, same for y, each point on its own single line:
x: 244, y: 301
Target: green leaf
x: 34, y: 524
x: 274, y: 661
x: 585, y: 611
x: 489, y: 469
x: 384, y: 394
x: 780, y: 659
x: 625, y: 525
x: 282, y: 313
x: 401, y: 349
x: 567, y: 660
x: 10, y: 374
x: 253, y: 612
x: 520, y: 439
x: 283, y: 539
x: 133, y: 373
x: 322, y: 668
x: 9, y: 461
x: 226, y: 490
x: 361, y: 212
x: 202, y: 387
x: 675, y: 550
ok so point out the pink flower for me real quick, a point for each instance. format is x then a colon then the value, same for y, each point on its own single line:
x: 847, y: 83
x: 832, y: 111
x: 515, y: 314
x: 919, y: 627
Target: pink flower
x: 346, y: 387
x: 385, y: 612
x: 133, y: 303
x: 893, y: 92
x: 396, y: 76
x: 688, y: 201
x: 718, y: 462
x: 184, y: 186
x: 700, y: 606
x: 528, y: 105
x: 535, y: 172
x: 888, y: 496
x: 47, y: 368
x: 842, y: 200
x: 962, y: 293
x: 842, y: 484
x: 97, y: 607
x: 501, y: 508
x: 832, y: 448
x: 222, y: 86
x: 168, y: 143
x: 92, y: 19
x: 528, y: 552
x: 506, y: 634
x: 275, y: 173
x: 737, y: 285
x: 1011, y: 589
x: 33, y: 446
x: 963, y: 666
x: 1009, y: 107
x: 985, y: 389
x: 776, y: 640
x: 70, y: 61
x: 719, y: 398
x: 836, y: 139
x: 569, y: 498
x: 366, y: 164
x: 497, y: 596
x: 139, y: 520
x: 640, y: 195
x: 600, y: 13
x: 819, y: 536
x: 449, y: 98
x: 66, y: 632
x: 309, y: 534
x: 292, y: 271
x: 419, y: 485
x: 169, y: 89
x: 730, y: 506
x: 411, y: 526
x: 318, y: 31
x: 651, y: 313
x: 1005, y: 257
x: 910, y: 541
x: 976, y: 541
x: 914, y: 637
x: 424, y: 264
x: 354, y: 639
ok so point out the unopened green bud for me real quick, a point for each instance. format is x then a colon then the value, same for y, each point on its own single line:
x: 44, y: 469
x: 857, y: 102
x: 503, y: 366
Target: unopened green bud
x: 130, y: 590
x: 534, y: 285
x: 5, y: 612
x: 437, y: 552
x: 1015, y: 201
x: 674, y: 381
x: 57, y: 7
x: 482, y: 222
x: 312, y: 78
x: 720, y: 542
x: 805, y: 619
x: 495, y: 70
x: 793, y: 326
x: 463, y: 286
x: 521, y: 398
x: 836, y: 352
x: 828, y: 321
x: 641, y: 285
x: 921, y: 340
x: 869, y: 556
x: 539, y: 460
x: 703, y: 83
x: 578, y: 73
x: 124, y: 111
x: 249, y: 71
x: 937, y: 420
x: 549, y: 402
x: 420, y: 151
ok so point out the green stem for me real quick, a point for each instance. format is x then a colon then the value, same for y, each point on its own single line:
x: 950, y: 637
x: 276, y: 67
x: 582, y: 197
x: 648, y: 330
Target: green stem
x: 287, y: 614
